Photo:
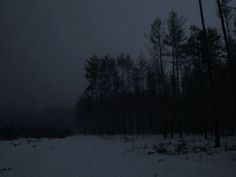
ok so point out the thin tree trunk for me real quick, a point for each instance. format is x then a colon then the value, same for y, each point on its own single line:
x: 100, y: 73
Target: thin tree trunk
x: 210, y: 73
x: 228, y: 49
x: 174, y: 95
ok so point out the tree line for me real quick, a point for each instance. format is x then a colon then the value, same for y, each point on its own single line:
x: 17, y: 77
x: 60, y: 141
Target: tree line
x: 186, y: 85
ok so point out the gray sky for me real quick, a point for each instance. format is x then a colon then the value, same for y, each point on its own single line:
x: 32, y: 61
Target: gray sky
x: 44, y: 44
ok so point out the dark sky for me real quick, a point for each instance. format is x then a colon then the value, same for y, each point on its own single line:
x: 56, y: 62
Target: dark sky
x: 44, y: 44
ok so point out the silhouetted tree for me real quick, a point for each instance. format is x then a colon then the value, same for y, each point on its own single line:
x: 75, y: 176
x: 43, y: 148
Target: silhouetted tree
x: 174, y: 39
x: 207, y: 59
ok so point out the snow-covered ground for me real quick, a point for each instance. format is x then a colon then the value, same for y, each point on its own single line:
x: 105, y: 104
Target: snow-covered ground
x: 133, y: 156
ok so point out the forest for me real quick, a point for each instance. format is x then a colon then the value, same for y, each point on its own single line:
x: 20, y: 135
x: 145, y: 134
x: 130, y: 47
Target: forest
x: 185, y: 86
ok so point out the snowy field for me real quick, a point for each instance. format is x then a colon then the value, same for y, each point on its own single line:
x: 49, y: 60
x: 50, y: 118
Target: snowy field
x: 93, y: 156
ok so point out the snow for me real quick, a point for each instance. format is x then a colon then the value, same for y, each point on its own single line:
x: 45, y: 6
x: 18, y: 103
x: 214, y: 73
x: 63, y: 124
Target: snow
x: 117, y: 156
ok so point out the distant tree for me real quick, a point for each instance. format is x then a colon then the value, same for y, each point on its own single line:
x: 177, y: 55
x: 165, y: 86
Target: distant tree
x: 151, y: 83
x: 128, y: 65
x: 125, y: 66
x: 142, y: 68
x: 136, y: 80
x: 92, y: 75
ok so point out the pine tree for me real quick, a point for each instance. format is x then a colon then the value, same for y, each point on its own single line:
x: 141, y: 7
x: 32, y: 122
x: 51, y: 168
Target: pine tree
x: 175, y: 39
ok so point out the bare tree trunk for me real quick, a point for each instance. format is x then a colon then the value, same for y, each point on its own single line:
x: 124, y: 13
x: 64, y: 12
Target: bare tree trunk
x: 228, y: 49
x: 174, y: 95
x: 210, y: 73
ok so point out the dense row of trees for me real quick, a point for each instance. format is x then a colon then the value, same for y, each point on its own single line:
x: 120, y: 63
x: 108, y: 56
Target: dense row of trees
x: 187, y: 85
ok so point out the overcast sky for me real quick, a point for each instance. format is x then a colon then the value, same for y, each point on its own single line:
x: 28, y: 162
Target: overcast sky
x: 44, y: 44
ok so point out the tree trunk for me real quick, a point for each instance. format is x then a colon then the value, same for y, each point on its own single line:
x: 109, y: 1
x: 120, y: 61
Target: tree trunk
x: 210, y: 73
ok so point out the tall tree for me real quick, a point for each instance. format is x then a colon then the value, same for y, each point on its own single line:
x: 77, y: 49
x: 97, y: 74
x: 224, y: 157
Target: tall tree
x: 156, y: 39
x: 226, y: 11
x: 175, y: 39
x: 225, y: 16
x: 206, y: 58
